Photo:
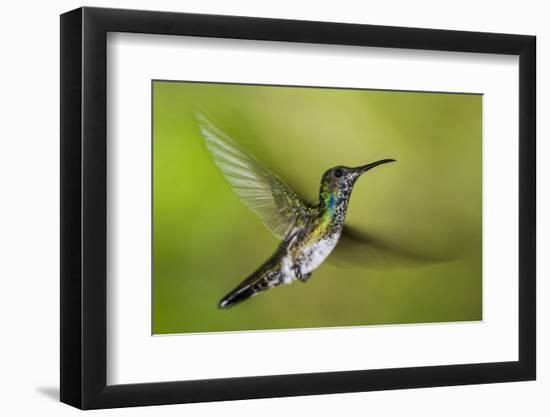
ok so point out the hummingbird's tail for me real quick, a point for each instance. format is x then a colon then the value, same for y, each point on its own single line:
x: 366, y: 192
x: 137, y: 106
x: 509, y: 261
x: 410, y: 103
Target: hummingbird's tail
x: 260, y: 280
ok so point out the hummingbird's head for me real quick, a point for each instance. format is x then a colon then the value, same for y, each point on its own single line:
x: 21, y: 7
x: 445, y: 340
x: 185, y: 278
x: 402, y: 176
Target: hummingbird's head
x: 342, y: 178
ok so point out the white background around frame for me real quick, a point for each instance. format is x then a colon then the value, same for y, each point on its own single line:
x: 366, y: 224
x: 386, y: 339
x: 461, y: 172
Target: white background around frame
x: 29, y: 171
x: 134, y: 356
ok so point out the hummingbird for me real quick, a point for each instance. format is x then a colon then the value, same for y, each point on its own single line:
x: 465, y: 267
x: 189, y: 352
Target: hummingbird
x: 308, y: 232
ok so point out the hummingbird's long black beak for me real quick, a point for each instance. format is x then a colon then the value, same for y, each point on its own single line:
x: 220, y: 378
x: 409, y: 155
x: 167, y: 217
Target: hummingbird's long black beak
x: 364, y: 168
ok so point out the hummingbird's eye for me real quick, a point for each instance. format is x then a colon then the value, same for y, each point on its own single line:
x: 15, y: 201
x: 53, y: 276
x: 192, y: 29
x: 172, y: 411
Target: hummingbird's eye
x: 338, y: 173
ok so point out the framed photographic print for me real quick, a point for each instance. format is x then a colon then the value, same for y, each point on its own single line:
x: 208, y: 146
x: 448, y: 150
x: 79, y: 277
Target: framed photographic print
x: 257, y: 208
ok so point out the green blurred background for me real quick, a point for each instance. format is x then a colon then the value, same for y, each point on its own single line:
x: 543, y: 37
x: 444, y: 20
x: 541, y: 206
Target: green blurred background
x: 205, y: 240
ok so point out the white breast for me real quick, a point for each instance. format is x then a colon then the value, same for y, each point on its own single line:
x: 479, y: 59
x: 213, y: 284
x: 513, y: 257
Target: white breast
x: 308, y: 259
x: 314, y: 255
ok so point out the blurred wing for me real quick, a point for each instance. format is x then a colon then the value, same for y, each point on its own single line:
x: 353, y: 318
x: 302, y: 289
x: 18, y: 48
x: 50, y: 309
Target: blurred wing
x: 262, y: 191
x: 362, y: 249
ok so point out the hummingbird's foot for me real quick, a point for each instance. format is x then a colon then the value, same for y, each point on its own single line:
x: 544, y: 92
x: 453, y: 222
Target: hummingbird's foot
x: 298, y: 273
x: 303, y: 278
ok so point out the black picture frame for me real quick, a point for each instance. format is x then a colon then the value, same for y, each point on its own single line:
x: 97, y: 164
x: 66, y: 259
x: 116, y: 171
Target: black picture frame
x: 84, y: 207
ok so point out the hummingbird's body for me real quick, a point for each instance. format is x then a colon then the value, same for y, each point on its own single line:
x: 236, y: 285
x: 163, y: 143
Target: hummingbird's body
x: 309, y: 233
x: 301, y: 252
